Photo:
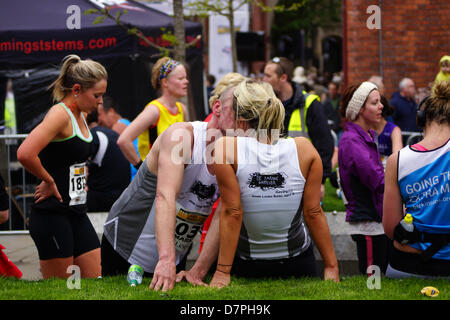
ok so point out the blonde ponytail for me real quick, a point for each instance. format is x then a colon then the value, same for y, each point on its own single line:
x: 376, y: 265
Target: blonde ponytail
x: 76, y: 71
x: 257, y: 103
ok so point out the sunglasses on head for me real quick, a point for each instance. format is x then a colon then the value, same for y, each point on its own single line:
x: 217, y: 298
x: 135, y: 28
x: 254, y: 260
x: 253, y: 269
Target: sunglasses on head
x: 277, y: 61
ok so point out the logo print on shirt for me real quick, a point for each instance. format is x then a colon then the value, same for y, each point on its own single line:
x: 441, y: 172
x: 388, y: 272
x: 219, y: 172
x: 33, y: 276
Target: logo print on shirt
x: 202, y: 191
x: 267, y: 181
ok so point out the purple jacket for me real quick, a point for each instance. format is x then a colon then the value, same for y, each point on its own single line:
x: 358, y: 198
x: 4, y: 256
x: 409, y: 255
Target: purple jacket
x: 361, y: 174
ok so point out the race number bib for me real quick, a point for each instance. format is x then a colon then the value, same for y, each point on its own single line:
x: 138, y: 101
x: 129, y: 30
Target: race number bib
x: 188, y: 223
x: 77, y: 182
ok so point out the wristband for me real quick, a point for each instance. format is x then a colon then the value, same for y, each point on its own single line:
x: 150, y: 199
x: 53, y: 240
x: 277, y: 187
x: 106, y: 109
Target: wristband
x: 137, y: 165
x: 222, y: 271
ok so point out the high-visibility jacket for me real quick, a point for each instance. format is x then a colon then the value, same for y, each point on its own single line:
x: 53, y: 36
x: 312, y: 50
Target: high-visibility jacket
x: 297, y: 123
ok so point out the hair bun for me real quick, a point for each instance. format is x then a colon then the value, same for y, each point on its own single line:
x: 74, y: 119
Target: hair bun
x: 441, y: 90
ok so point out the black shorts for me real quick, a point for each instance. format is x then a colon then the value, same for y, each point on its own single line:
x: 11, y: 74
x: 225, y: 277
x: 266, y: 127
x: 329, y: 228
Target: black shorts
x: 59, y: 233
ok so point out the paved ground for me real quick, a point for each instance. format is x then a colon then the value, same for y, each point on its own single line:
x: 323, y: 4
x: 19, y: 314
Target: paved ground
x: 22, y: 252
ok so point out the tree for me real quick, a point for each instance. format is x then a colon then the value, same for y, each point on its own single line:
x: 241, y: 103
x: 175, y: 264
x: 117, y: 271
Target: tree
x: 224, y: 8
x: 178, y: 26
x: 177, y: 40
x: 307, y: 18
x: 227, y: 8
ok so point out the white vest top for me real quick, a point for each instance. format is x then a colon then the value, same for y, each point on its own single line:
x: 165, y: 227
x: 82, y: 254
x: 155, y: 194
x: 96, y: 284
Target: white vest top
x: 271, y: 186
x: 130, y: 226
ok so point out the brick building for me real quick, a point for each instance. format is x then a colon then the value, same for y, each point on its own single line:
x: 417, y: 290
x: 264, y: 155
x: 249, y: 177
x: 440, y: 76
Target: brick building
x: 414, y: 35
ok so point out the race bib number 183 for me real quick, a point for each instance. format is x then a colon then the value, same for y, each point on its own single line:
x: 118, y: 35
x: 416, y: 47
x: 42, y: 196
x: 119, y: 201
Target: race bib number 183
x: 77, y: 182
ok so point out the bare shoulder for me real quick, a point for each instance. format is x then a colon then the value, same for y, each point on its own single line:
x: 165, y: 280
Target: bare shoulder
x: 186, y: 126
x: 178, y: 132
x: 307, y: 155
x: 55, y: 125
x: 150, y: 111
x: 58, y: 111
x: 392, y: 160
x: 301, y: 141
x: 305, y: 147
x: 56, y: 117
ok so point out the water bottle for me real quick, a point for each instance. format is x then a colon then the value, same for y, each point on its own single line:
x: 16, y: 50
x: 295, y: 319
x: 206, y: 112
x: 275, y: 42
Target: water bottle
x: 135, y: 274
x: 407, y: 224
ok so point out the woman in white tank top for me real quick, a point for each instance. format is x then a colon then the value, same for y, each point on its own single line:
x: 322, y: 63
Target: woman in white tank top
x: 269, y: 187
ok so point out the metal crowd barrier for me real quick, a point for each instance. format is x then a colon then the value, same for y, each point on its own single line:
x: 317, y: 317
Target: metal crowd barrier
x: 17, y: 201
x: 411, y: 137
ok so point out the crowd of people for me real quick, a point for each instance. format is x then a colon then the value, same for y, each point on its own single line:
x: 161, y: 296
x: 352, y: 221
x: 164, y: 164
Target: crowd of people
x: 251, y: 177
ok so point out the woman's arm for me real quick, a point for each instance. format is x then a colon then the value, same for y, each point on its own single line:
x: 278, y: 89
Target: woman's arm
x: 230, y: 213
x: 54, y: 123
x: 311, y: 166
x: 364, y: 167
x: 392, y: 202
x: 146, y: 119
x: 396, y: 138
x: 170, y: 178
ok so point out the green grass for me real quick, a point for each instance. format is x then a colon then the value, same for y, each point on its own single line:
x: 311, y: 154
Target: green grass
x: 330, y: 201
x: 117, y: 288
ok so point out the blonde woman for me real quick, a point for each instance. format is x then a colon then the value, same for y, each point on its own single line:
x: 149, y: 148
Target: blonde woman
x: 169, y: 76
x: 269, y: 188
x: 56, y: 152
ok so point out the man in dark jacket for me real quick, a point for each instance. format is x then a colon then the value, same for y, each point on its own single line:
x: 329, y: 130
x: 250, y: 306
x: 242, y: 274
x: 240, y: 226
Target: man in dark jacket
x: 405, y: 107
x: 305, y: 114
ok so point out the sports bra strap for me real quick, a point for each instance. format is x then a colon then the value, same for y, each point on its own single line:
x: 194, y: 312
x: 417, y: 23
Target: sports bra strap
x: 419, y: 147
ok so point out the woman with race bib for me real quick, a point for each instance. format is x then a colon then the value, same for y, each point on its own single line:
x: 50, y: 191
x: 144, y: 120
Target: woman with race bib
x: 56, y: 152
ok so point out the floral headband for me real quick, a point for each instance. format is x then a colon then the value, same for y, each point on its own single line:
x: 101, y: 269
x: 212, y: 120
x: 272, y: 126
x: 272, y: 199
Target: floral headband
x: 167, y: 68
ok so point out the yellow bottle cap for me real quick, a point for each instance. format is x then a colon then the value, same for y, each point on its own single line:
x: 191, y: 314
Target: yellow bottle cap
x: 408, y: 218
x: 430, y: 291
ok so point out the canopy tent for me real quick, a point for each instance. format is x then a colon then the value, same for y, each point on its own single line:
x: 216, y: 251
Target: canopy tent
x: 36, y: 35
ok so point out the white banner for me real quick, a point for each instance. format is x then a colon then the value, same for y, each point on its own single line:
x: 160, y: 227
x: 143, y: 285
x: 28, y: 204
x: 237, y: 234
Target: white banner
x: 220, y: 57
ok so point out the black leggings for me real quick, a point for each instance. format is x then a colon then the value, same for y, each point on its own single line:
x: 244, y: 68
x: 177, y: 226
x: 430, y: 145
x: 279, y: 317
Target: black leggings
x: 113, y: 264
x: 303, y: 265
x: 372, y: 250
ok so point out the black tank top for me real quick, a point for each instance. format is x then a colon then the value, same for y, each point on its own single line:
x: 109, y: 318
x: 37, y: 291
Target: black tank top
x: 64, y: 160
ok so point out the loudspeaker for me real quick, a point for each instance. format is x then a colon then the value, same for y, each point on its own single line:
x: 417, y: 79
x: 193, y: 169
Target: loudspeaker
x: 250, y: 46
